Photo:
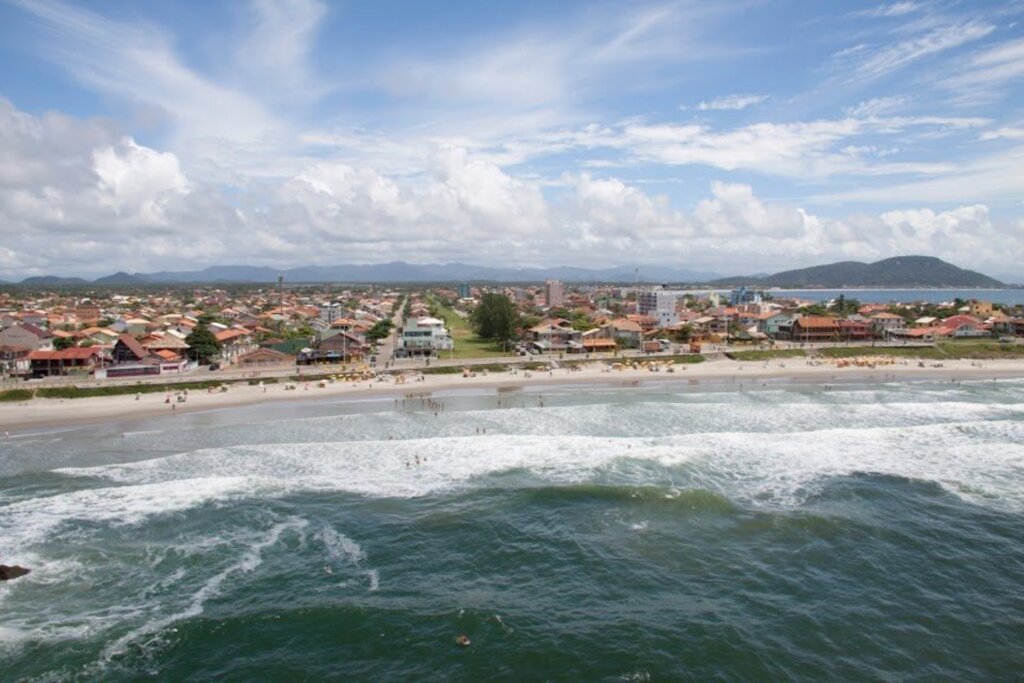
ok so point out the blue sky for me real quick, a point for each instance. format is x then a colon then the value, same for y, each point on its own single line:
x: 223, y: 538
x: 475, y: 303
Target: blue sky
x: 725, y: 136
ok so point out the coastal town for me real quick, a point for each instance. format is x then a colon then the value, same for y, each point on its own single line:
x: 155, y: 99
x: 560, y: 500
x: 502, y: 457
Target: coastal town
x: 207, y: 332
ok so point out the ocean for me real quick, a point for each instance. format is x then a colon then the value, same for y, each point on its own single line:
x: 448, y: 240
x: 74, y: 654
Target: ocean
x: 674, y: 531
x: 1013, y: 297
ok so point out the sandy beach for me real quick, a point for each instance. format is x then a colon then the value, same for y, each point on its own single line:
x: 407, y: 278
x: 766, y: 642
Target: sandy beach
x: 41, y: 412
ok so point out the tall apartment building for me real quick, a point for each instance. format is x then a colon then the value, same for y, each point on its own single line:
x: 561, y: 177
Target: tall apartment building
x: 660, y: 304
x: 554, y: 293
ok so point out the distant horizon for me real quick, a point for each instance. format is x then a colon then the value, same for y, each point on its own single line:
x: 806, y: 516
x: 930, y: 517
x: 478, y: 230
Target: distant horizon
x: 411, y: 273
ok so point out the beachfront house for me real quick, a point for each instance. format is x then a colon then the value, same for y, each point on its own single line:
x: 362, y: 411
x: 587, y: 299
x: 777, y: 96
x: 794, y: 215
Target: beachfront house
x: 774, y: 323
x: 556, y: 334
x: 424, y: 336
x: 17, y: 342
x: 885, y: 323
x: 77, y: 360
x: 815, y: 328
x: 338, y: 348
x: 964, y: 326
x: 264, y: 358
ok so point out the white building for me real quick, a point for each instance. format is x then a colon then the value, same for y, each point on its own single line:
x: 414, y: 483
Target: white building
x: 424, y: 336
x: 329, y: 312
x: 660, y: 304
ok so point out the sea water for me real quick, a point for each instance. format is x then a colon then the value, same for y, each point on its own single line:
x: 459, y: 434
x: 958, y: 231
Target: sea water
x: 678, y: 531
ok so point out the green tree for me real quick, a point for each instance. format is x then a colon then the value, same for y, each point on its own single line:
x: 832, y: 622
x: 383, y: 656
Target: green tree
x: 495, y: 318
x: 379, y: 330
x: 61, y: 343
x: 203, y: 346
x: 683, y: 334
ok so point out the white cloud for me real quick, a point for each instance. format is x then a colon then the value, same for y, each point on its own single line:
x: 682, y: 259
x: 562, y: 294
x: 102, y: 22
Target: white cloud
x: 138, y: 181
x: 274, y: 55
x: 869, y: 64
x: 1005, y: 133
x: 731, y: 102
x: 895, y: 9
x: 979, y: 78
x: 879, y: 106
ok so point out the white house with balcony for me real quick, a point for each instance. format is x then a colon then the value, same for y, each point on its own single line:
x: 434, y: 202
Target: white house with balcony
x: 423, y: 337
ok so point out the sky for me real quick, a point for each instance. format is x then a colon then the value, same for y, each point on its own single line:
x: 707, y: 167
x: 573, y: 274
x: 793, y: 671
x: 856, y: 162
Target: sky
x: 735, y: 136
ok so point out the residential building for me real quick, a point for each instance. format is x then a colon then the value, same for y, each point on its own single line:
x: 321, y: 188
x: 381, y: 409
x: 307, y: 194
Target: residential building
x: 554, y: 293
x: 815, y: 328
x: 738, y: 297
x: 554, y: 335
x: 77, y: 360
x: 423, y: 337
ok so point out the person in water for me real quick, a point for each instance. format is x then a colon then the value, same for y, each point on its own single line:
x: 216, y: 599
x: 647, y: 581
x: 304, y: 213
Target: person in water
x: 462, y: 639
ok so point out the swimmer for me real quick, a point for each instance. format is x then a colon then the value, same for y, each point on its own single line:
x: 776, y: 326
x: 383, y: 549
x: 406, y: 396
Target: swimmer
x: 463, y: 640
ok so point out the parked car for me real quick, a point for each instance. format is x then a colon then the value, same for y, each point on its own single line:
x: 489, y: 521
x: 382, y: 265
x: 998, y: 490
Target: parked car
x: 215, y: 366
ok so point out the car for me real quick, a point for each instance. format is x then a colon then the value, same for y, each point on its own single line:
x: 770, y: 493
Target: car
x: 215, y: 366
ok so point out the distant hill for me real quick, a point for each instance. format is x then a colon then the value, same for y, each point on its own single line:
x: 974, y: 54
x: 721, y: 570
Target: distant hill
x: 122, y: 278
x: 52, y: 281
x: 900, y: 271
x: 396, y: 271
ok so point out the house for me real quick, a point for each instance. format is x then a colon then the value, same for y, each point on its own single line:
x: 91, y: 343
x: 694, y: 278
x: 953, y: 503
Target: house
x: 18, y: 341
x: 979, y: 309
x: 773, y: 323
x: 234, y: 342
x: 100, y: 335
x: 165, y: 343
x: 136, y: 326
x: 263, y: 357
x: 626, y: 332
x: 556, y: 334
x: 856, y: 330
x: 885, y: 323
x: 964, y: 326
x: 424, y: 336
x: 74, y: 360
x: 815, y: 328
x: 339, y: 348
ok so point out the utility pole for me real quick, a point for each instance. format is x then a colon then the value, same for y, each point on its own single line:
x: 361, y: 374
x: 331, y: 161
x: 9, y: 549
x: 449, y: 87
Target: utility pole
x: 280, y: 287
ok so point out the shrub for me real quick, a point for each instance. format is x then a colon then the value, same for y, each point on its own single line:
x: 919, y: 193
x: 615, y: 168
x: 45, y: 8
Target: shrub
x: 11, y: 395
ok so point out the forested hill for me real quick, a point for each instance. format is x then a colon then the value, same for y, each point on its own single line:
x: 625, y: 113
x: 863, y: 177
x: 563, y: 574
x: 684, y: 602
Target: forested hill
x: 900, y: 271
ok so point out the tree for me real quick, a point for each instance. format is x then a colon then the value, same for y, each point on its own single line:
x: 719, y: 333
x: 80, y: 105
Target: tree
x: 683, y: 334
x: 379, y: 330
x: 203, y: 346
x: 495, y: 318
x: 61, y: 343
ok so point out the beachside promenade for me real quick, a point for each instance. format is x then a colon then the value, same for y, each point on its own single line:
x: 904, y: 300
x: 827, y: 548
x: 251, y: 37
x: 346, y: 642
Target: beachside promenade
x: 393, y: 365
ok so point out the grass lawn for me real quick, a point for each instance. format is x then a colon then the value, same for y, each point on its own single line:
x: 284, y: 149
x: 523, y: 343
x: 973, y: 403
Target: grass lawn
x: 467, y: 344
x: 968, y: 349
x: 980, y: 349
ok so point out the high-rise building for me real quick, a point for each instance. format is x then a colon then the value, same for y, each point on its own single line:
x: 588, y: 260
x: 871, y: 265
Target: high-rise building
x: 660, y: 304
x: 463, y: 290
x: 554, y: 293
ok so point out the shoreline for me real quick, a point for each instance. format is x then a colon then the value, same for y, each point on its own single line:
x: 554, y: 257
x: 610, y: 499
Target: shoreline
x: 50, y: 412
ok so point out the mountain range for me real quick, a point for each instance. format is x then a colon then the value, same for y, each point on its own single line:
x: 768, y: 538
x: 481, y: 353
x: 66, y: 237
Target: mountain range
x: 397, y: 271
x: 900, y: 271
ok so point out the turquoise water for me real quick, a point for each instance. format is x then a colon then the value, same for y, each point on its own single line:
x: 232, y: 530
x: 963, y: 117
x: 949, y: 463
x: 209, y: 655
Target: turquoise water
x: 673, y: 532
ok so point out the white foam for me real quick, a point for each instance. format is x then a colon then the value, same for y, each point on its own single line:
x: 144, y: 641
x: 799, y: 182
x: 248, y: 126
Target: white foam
x: 27, y: 521
x: 250, y: 559
x: 340, y: 547
x: 980, y: 460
